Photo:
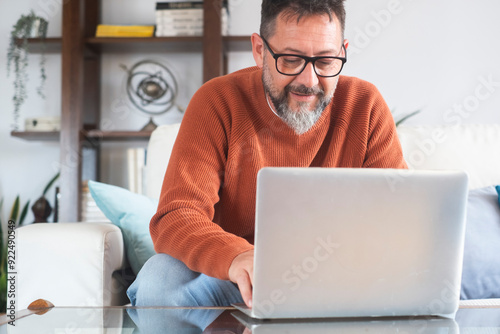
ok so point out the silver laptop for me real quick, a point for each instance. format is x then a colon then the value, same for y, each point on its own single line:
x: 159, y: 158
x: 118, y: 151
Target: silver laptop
x: 335, y: 242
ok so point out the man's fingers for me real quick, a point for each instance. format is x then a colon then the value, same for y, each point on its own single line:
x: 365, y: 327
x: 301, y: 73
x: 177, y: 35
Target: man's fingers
x: 245, y: 286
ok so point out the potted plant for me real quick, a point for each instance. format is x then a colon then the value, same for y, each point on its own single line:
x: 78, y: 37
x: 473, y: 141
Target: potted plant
x: 5, y: 246
x: 28, y: 26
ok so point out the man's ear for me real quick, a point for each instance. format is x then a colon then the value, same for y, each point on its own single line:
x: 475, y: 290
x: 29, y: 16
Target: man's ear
x: 258, y: 50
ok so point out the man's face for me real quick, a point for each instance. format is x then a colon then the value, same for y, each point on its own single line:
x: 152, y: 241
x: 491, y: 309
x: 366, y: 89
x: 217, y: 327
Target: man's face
x: 300, y: 100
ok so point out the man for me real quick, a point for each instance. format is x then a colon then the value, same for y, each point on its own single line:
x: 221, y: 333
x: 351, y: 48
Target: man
x: 293, y: 109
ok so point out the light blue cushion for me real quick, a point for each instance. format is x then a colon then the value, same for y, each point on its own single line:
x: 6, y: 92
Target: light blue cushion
x: 481, y: 268
x: 498, y: 191
x: 131, y: 212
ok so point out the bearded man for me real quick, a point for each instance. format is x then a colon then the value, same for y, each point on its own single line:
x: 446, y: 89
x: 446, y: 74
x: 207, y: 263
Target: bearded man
x: 291, y: 110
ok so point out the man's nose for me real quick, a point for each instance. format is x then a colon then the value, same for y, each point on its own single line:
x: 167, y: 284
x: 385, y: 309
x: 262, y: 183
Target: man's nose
x: 308, y: 76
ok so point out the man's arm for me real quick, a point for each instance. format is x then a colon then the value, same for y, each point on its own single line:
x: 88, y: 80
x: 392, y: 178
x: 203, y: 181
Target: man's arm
x: 183, y: 226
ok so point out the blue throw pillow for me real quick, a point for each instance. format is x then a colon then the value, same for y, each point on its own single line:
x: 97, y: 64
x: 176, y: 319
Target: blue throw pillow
x: 481, y: 267
x: 132, y: 213
x: 498, y: 191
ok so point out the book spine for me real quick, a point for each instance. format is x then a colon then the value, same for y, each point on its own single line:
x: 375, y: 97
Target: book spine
x: 182, y: 26
x: 179, y: 5
x: 124, y: 31
x: 175, y: 20
x: 179, y: 13
x: 173, y: 33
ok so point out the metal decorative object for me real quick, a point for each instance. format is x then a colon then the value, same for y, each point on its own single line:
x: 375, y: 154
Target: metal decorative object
x: 152, y: 88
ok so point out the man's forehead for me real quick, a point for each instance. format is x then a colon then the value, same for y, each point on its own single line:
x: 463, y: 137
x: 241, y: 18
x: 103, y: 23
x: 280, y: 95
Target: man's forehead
x: 318, y: 30
x: 311, y: 23
x: 291, y: 15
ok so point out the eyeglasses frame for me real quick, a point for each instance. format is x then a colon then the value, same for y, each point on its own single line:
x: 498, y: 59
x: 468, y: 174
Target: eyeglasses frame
x: 308, y: 60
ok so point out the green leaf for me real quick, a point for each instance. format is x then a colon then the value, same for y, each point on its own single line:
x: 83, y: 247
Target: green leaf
x: 3, y: 292
x: 404, y: 118
x: 2, y: 250
x: 1, y: 207
x: 14, y: 212
x: 24, y: 212
x: 51, y: 182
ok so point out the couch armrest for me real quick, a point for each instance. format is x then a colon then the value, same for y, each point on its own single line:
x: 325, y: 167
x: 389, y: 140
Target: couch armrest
x: 70, y: 264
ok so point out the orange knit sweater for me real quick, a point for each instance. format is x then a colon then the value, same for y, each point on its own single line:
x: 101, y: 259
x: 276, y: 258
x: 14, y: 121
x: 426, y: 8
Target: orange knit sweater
x: 206, y: 211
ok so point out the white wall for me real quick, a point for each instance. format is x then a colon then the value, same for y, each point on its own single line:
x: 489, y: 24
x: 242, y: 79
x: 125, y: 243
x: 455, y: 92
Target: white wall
x: 437, y: 56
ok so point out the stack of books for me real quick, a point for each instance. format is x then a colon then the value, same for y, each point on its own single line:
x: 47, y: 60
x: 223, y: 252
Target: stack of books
x: 90, y: 211
x: 184, y: 18
x: 104, y: 30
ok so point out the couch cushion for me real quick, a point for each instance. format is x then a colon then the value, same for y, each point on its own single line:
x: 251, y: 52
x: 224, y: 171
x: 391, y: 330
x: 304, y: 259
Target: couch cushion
x: 473, y: 148
x: 132, y: 213
x: 481, y: 268
x: 69, y: 264
x: 159, y: 149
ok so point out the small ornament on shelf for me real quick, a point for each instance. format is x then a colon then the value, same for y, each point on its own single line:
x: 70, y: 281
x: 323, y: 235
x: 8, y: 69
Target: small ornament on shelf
x: 152, y: 88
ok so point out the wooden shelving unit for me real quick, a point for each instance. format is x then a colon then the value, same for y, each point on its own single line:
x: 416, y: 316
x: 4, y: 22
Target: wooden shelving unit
x: 80, y: 106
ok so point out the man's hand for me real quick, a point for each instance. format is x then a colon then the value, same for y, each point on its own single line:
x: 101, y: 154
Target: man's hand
x: 241, y: 273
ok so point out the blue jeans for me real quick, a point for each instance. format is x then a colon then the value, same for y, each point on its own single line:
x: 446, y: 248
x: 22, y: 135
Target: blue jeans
x: 166, y: 281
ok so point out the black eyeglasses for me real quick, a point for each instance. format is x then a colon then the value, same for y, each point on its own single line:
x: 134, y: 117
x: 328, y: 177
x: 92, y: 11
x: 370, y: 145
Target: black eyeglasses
x: 291, y: 64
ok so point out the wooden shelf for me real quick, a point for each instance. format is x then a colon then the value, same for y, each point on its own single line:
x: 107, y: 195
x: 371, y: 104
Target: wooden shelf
x: 36, y: 45
x: 146, y: 44
x: 36, y: 135
x: 117, y: 135
x: 91, y: 135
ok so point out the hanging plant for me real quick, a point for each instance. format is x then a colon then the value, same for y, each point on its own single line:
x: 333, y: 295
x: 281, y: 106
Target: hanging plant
x: 28, y: 26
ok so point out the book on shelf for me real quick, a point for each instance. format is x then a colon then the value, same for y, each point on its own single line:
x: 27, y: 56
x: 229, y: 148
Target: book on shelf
x: 182, y: 4
x: 179, y: 5
x: 90, y: 211
x: 105, y: 30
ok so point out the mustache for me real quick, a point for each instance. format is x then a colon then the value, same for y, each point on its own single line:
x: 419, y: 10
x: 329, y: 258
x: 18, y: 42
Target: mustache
x: 301, y: 89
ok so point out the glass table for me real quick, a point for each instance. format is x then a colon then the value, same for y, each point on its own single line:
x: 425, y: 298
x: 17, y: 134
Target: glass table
x: 129, y: 320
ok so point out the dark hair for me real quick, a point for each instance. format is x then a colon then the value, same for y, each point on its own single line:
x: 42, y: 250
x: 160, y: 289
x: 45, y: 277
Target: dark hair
x: 271, y: 9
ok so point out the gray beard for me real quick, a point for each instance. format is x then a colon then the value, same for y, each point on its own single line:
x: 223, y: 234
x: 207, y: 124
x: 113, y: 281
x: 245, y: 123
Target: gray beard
x: 303, y: 119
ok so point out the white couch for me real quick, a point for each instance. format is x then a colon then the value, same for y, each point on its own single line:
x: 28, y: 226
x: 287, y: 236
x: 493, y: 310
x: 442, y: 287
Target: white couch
x: 73, y: 264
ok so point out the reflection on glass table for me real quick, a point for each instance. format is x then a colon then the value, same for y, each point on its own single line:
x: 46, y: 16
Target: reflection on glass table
x: 128, y: 320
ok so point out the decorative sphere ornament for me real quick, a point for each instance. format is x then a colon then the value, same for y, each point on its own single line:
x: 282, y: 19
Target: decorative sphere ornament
x: 152, y: 88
